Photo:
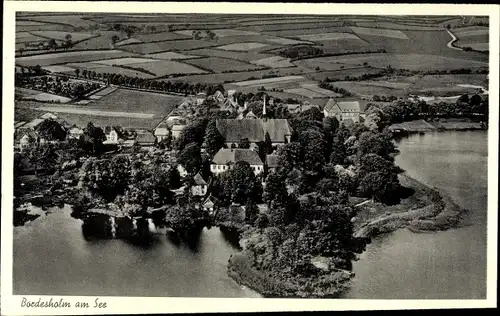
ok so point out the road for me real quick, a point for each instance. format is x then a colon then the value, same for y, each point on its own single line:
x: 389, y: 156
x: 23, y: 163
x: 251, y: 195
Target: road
x: 453, y: 40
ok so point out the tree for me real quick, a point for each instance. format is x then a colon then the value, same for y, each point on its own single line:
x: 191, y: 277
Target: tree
x: 51, y: 130
x: 114, y: 39
x: 92, y: 139
x: 239, y: 185
x: 213, y: 140
x: 314, y: 149
x: 268, y: 144
x: 77, y: 72
x: 275, y: 192
x: 52, y: 44
x: 190, y: 158
x: 289, y: 157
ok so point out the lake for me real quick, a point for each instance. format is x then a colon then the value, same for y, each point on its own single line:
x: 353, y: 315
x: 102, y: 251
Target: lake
x: 52, y: 257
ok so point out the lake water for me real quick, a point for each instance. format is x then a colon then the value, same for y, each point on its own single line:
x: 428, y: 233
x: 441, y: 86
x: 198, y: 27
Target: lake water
x: 52, y: 257
x: 438, y: 265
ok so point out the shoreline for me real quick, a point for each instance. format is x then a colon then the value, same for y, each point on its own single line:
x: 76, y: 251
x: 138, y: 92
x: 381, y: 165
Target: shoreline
x: 438, y: 213
x: 422, y: 126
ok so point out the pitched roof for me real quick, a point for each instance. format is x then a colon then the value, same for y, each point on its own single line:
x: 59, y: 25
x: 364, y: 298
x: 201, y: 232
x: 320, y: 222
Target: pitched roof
x: 161, y: 131
x: 198, y: 179
x: 343, y: 106
x: 272, y: 161
x: 25, y: 132
x: 234, y: 130
x: 225, y: 155
x: 251, y: 115
x: 33, y: 123
x: 349, y: 106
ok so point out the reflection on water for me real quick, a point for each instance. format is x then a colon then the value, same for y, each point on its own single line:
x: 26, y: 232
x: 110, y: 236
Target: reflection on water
x: 56, y: 255
x: 439, y: 265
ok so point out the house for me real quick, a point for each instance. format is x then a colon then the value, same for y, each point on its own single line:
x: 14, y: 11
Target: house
x: 75, y: 132
x: 271, y: 162
x: 346, y: 110
x: 211, y: 204
x: 182, y: 171
x: 255, y: 130
x: 161, y: 131
x: 226, y: 158
x: 250, y: 115
x: 23, y: 138
x: 200, y: 186
x: 145, y: 139
x: 177, y: 130
x: 111, y: 135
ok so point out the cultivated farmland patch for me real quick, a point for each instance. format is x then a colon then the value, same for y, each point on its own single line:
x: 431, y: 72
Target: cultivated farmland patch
x: 471, y: 32
x: 58, y: 68
x: 161, y: 36
x: 167, y: 67
x: 273, y: 62
x: 170, y: 56
x: 380, y: 32
x: 328, y: 36
x: 217, y: 64
x: 61, y: 36
x: 156, y: 47
x: 242, y: 46
x: 305, y: 93
x: 286, y: 41
x: 261, y: 82
x: 243, y: 56
x: 125, y: 61
x: 70, y: 57
x: 128, y: 41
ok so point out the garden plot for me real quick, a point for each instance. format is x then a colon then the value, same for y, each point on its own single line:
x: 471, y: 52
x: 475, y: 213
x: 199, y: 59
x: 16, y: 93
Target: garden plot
x: 273, y: 62
x: 217, y: 64
x: 61, y: 36
x: 128, y: 41
x: 167, y: 67
x: 170, y: 56
x: 328, y: 36
x: 380, y: 32
x: 70, y: 57
x: 242, y: 46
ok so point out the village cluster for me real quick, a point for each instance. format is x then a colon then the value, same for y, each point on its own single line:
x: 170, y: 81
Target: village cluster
x: 246, y: 126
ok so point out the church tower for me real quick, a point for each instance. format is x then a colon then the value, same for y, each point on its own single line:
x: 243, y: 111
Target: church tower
x: 264, y: 114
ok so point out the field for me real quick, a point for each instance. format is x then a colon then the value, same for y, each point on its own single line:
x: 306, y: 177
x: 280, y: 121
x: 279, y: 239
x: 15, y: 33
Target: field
x: 125, y: 61
x: 243, y: 56
x: 69, y: 57
x: 220, y: 33
x: 128, y: 41
x: 273, y: 62
x: 40, y: 96
x: 396, y: 26
x: 379, y: 32
x: 167, y: 67
x: 170, y: 56
x: 61, y: 36
x: 405, y: 61
x: 58, y: 68
x: 269, y: 81
x: 242, y: 46
x: 328, y: 36
x: 124, y: 100
x: 162, y: 36
x: 156, y: 47
x: 217, y: 64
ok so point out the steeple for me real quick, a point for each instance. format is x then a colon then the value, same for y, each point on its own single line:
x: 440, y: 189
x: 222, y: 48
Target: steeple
x: 264, y: 108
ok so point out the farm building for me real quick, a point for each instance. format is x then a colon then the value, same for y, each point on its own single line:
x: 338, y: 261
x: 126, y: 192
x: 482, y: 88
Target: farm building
x: 255, y: 130
x: 177, y: 130
x: 297, y: 108
x: 145, y: 139
x: 200, y: 186
x: 348, y: 110
x: 226, y: 158
x: 161, y: 131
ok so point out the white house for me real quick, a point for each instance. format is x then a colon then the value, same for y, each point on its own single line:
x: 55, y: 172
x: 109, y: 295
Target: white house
x: 111, y: 135
x: 211, y: 204
x: 226, y: 158
x: 200, y: 186
x: 161, y: 131
x: 24, y: 138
